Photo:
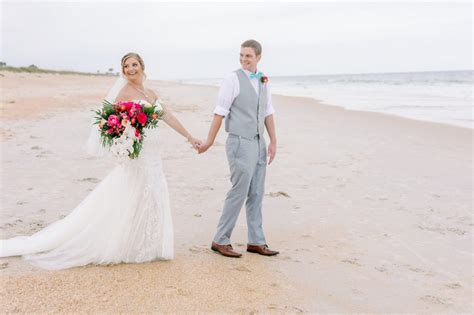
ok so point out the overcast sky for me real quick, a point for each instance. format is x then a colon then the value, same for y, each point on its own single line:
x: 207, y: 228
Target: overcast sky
x: 201, y: 40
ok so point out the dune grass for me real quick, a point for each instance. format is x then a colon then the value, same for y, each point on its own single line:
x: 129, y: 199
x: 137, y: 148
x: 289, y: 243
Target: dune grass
x: 35, y: 69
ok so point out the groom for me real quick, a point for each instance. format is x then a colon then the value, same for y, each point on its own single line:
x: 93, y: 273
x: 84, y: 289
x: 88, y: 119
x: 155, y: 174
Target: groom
x: 245, y: 102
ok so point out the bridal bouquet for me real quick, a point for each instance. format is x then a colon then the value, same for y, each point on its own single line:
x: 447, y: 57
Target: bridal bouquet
x: 122, y: 125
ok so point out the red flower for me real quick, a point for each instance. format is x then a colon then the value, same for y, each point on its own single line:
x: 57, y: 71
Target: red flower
x: 128, y: 105
x: 142, y: 118
x: 134, y: 108
x: 113, y: 121
x: 137, y: 134
x: 264, y: 79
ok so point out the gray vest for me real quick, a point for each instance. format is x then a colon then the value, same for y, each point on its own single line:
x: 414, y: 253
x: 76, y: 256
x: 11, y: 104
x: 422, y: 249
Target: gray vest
x: 247, y: 112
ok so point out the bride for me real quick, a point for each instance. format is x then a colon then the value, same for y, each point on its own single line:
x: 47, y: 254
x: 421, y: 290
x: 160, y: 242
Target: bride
x: 127, y: 217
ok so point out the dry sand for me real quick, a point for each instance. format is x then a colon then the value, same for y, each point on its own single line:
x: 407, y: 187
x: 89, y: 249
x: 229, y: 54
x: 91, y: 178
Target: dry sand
x: 371, y: 213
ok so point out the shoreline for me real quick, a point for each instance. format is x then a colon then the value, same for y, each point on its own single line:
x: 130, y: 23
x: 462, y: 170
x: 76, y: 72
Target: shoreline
x: 321, y: 101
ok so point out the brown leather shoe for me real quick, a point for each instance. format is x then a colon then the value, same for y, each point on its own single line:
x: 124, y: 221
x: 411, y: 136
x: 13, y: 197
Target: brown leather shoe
x: 225, y: 250
x: 262, y: 250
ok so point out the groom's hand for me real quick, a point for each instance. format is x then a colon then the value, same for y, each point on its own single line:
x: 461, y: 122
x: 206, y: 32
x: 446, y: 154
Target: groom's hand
x: 204, y: 146
x: 194, y: 142
x: 271, y: 152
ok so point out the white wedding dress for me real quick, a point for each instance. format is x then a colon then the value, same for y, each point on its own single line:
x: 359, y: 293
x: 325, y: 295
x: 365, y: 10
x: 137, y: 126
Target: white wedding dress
x: 125, y: 219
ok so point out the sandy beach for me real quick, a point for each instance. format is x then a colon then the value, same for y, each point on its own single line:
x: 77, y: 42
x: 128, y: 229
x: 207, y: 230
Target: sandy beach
x: 371, y: 213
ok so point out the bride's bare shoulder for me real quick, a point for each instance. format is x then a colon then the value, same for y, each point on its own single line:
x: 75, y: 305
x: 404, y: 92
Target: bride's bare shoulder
x: 125, y: 94
x: 152, y: 93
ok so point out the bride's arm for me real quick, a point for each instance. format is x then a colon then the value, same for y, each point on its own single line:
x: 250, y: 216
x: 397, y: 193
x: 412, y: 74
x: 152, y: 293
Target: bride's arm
x: 174, y: 123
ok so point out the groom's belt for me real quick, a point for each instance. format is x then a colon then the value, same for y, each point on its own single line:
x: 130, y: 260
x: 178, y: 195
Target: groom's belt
x: 256, y: 137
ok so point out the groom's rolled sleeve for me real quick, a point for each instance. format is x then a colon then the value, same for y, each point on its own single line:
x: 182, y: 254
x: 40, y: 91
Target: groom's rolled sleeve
x: 270, y: 109
x: 227, y: 94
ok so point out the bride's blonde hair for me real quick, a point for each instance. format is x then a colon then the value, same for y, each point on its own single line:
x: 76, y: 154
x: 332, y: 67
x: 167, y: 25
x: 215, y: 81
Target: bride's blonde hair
x: 134, y: 55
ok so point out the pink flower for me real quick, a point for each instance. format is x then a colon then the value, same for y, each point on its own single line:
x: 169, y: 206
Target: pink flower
x: 113, y: 121
x: 134, y: 107
x: 110, y: 131
x: 142, y: 118
x: 137, y: 134
x: 128, y: 105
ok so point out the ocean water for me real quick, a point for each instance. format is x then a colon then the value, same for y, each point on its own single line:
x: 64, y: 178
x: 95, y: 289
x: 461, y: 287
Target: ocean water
x: 441, y: 96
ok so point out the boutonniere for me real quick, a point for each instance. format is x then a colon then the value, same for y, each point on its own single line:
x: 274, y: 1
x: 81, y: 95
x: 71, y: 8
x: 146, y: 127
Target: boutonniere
x: 264, y: 79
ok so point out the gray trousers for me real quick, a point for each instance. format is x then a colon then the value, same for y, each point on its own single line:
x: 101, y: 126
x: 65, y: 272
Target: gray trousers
x: 247, y: 162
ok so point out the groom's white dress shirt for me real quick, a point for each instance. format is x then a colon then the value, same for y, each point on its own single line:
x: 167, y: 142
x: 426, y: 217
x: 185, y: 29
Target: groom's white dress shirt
x: 230, y: 89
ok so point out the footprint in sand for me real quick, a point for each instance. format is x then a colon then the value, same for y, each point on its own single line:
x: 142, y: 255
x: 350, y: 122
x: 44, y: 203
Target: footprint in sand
x: 352, y: 261
x: 21, y: 202
x: 89, y: 179
x: 183, y: 292
x: 36, y: 148
x: 435, y: 300
x: 30, y: 188
x: 42, y: 210
x: 382, y: 269
x: 178, y: 291
x: 35, y: 227
x: 419, y: 270
x: 198, y: 249
x: 295, y: 309
x: 3, y: 265
x: 207, y: 188
x: 272, y: 307
x: 278, y: 194
x: 456, y: 231
x: 197, y: 215
x: 453, y: 286
x: 242, y: 269
x: 37, y: 224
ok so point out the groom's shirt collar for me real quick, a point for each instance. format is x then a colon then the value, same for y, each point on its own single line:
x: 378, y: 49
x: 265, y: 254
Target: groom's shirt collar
x: 248, y: 72
x: 230, y: 89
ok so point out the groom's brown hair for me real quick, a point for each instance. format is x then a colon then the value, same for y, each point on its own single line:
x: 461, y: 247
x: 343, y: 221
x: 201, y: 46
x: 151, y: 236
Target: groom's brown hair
x: 253, y: 44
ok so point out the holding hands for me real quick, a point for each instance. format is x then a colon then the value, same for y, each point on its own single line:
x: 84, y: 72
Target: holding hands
x: 195, y: 143
x: 202, y: 147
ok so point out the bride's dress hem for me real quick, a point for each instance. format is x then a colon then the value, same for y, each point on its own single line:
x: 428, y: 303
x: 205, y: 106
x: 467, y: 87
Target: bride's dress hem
x: 125, y: 219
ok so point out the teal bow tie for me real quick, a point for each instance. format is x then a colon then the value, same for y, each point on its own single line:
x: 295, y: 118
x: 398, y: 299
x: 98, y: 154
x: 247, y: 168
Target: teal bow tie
x: 257, y: 75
